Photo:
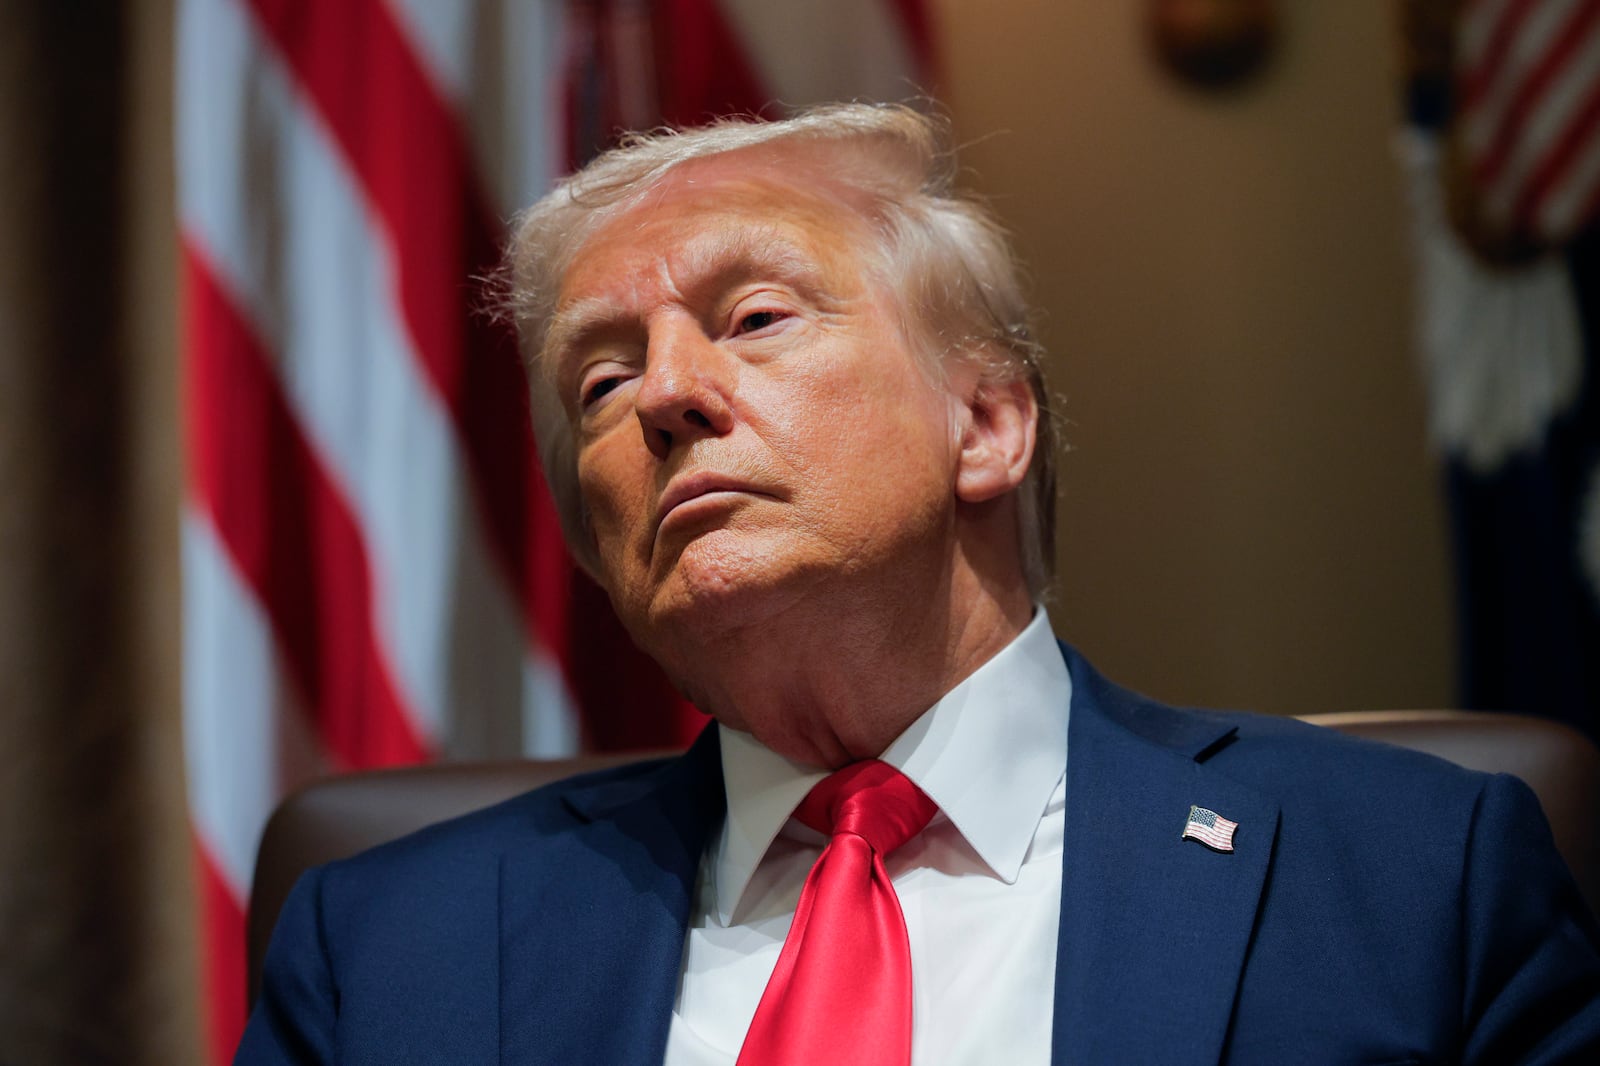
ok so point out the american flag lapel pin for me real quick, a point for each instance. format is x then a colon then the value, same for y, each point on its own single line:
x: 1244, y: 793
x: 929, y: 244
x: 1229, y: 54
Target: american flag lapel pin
x: 1210, y: 829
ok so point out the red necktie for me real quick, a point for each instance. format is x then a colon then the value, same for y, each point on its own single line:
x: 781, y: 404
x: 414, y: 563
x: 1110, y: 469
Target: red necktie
x: 841, y: 992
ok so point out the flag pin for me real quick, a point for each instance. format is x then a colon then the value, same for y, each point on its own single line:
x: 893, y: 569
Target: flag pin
x: 1210, y: 829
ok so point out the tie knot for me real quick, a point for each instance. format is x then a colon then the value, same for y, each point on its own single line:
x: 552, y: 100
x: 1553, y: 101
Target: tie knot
x: 870, y: 799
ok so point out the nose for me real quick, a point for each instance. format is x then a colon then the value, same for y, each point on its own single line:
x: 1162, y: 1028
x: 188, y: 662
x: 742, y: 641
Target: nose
x: 684, y: 392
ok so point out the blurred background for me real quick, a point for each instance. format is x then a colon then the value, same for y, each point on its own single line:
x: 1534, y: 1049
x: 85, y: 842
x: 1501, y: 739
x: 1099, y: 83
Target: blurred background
x: 1316, y: 281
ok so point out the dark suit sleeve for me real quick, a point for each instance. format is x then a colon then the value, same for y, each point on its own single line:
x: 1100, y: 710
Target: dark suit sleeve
x: 293, y: 1020
x: 1532, y: 961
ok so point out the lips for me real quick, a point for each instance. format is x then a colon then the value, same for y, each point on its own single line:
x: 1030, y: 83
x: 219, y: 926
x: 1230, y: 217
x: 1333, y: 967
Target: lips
x: 687, y: 487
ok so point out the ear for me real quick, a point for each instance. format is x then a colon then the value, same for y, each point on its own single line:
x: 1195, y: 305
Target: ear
x: 999, y: 423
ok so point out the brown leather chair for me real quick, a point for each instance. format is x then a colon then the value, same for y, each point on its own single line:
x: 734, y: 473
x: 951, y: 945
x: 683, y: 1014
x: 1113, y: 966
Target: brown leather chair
x: 343, y: 815
x: 1559, y: 763
x: 339, y: 816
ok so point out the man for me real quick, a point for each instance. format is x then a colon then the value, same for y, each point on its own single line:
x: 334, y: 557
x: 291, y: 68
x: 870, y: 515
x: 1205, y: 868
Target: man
x: 794, y: 422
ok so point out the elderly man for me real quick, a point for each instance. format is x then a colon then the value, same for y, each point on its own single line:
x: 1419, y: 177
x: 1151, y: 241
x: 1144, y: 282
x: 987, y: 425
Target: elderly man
x: 795, y: 424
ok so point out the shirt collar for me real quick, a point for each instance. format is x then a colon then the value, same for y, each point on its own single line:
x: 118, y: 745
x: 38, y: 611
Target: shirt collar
x: 990, y: 753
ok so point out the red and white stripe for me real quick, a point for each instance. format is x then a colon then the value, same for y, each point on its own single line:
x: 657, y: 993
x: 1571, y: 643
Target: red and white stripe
x: 1528, y: 75
x: 373, y: 574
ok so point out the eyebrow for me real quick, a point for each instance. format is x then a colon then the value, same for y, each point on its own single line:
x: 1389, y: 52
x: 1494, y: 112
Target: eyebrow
x: 710, y: 265
x: 721, y: 264
x: 581, y: 319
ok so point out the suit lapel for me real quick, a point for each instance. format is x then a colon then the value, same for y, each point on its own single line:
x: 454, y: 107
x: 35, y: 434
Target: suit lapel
x: 1154, y: 928
x: 1153, y: 932
x: 603, y: 906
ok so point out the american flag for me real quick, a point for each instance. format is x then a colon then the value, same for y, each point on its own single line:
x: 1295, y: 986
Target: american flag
x: 373, y: 573
x: 1210, y: 829
x: 1528, y: 79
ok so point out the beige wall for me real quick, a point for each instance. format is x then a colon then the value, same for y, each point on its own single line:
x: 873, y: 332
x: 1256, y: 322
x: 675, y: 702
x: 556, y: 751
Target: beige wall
x: 1249, y: 516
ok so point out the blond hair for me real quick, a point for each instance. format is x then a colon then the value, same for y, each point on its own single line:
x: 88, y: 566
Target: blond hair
x: 944, y: 255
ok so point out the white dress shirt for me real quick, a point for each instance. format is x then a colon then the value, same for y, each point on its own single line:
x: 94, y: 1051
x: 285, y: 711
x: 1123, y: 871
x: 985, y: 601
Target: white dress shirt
x: 980, y: 887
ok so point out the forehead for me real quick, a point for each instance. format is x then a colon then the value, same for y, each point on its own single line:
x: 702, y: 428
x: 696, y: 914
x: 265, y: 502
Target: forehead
x: 726, y: 214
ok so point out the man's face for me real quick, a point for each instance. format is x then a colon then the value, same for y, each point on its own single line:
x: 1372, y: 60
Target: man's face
x: 751, y: 425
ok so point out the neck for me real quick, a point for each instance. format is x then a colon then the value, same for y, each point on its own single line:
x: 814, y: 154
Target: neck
x: 836, y: 679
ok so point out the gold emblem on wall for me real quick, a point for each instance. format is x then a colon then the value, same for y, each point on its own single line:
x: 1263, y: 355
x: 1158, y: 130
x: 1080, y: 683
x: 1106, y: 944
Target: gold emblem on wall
x: 1213, y: 44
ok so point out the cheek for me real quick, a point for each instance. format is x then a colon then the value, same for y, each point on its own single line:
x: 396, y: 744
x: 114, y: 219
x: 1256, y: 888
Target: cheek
x: 615, y: 489
x: 867, y: 444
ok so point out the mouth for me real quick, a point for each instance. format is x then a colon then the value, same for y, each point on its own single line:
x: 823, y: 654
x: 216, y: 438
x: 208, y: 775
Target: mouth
x: 685, y: 490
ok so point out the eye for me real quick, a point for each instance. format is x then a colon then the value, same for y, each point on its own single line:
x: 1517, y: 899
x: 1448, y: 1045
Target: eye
x: 756, y: 321
x: 599, y: 389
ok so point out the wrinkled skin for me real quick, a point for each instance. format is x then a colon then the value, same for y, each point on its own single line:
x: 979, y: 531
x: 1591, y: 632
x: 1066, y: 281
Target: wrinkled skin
x: 812, y: 534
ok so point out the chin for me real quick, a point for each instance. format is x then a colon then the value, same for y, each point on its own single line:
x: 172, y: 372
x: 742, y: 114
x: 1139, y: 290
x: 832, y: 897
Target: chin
x: 718, y: 584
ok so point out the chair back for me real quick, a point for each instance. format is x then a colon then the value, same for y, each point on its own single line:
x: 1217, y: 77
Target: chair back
x: 1560, y: 764
x: 340, y: 816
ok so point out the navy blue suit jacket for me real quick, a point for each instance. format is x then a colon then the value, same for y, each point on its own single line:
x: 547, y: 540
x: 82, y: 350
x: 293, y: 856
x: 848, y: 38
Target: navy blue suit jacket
x: 1380, y: 907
